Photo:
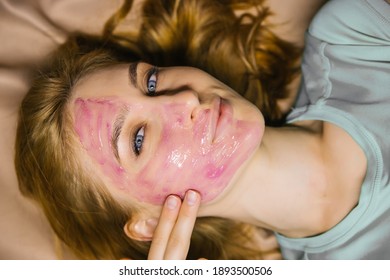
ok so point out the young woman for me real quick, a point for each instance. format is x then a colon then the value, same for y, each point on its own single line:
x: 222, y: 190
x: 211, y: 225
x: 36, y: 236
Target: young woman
x: 334, y: 199
x: 103, y: 139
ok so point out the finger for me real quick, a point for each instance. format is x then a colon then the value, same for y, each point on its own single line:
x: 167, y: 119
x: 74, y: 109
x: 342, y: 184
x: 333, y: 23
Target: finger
x: 164, y: 227
x: 179, y: 241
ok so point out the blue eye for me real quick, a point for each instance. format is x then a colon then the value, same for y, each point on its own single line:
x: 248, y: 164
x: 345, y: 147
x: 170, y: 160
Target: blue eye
x: 151, y: 84
x: 139, y: 140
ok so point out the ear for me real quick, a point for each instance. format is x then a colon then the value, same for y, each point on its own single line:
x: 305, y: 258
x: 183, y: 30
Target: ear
x: 141, y: 229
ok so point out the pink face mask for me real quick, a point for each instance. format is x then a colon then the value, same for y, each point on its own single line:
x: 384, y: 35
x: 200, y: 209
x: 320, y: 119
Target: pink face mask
x: 184, y: 158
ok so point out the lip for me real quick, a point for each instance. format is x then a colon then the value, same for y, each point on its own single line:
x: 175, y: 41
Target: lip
x: 221, y: 119
x: 214, y: 119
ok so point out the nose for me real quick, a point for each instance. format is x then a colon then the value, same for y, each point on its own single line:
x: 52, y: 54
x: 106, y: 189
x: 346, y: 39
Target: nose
x: 183, y: 102
x: 183, y: 94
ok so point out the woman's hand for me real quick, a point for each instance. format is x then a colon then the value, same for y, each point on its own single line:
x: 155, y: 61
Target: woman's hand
x: 171, y: 239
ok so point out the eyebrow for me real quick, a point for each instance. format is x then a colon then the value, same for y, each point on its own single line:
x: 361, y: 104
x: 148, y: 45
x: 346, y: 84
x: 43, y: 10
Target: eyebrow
x: 133, y: 73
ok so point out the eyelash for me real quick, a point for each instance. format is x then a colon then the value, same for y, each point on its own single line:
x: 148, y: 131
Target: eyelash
x: 150, y: 92
x: 152, y: 72
x: 137, y: 150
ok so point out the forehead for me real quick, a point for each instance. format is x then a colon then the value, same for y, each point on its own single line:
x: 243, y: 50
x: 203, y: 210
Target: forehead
x: 110, y: 81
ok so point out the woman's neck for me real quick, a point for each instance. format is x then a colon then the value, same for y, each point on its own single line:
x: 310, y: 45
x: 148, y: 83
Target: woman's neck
x: 290, y: 185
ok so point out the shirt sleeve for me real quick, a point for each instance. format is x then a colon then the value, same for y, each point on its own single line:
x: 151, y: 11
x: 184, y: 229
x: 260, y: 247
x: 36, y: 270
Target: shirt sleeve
x: 353, y: 22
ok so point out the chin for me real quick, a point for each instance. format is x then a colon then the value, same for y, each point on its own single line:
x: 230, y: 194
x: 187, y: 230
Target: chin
x: 215, y: 190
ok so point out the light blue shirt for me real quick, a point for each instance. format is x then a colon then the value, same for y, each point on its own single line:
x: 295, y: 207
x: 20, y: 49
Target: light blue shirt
x: 346, y: 81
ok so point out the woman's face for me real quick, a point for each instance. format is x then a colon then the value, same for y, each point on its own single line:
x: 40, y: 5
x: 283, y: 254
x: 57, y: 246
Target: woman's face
x: 153, y: 132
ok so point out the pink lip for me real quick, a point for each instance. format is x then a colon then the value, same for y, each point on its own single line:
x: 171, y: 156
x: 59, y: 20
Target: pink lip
x: 215, y: 114
x: 225, y: 119
x: 221, y: 119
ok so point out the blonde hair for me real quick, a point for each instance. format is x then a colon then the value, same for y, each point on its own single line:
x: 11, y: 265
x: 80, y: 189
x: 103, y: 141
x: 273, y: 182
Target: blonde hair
x: 81, y: 211
x: 241, y: 51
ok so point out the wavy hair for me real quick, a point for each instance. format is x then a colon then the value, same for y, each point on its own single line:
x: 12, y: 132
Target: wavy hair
x: 239, y: 50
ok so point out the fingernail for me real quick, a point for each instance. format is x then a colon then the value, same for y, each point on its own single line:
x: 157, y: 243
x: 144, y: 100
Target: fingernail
x: 191, y: 197
x: 172, y: 202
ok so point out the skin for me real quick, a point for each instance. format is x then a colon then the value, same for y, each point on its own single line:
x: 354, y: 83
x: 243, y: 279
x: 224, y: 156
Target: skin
x: 33, y: 234
x: 172, y: 241
x: 322, y: 193
x: 172, y: 235
x: 94, y: 115
x: 223, y: 131
x: 303, y: 12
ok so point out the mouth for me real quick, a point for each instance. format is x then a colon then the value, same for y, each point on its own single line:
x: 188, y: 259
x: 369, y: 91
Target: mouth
x: 221, y: 118
x: 214, y: 118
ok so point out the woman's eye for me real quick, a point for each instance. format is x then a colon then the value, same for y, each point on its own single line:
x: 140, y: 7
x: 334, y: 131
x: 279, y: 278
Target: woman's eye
x: 151, y: 83
x: 138, y: 140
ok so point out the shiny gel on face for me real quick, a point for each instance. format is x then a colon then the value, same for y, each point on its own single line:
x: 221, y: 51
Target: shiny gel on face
x: 185, y: 156
x: 93, y: 124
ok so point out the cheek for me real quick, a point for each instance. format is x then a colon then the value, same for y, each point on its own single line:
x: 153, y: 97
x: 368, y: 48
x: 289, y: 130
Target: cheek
x: 184, y: 159
x: 93, y: 124
x: 187, y: 160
